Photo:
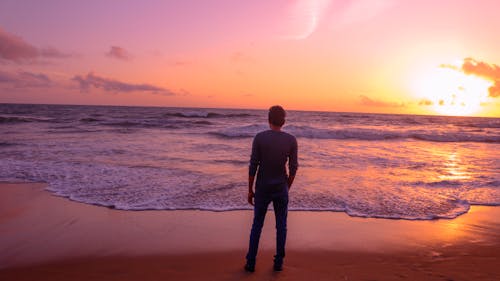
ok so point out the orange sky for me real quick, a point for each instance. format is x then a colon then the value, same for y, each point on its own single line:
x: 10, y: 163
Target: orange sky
x: 352, y: 55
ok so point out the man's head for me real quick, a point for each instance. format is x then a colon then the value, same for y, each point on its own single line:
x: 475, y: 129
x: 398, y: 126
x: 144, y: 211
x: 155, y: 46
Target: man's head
x: 277, y: 116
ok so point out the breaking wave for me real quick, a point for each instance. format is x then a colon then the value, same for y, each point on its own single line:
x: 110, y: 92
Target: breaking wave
x: 202, y: 114
x: 368, y: 134
x: 22, y: 119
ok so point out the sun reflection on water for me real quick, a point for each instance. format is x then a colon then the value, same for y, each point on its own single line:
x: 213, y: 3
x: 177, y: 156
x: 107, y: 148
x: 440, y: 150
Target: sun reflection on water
x: 454, y: 169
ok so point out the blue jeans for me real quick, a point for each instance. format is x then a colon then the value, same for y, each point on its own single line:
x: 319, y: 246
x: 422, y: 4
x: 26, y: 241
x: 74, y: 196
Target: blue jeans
x: 280, y: 204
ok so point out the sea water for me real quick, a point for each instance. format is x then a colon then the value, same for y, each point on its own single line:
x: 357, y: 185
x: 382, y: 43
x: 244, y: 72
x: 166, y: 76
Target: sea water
x: 143, y: 158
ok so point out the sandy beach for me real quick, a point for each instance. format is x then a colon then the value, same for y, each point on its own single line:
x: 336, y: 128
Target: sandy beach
x: 45, y: 237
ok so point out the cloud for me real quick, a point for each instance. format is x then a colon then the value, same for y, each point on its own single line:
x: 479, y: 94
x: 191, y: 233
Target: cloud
x: 111, y: 85
x: 472, y: 66
x: 118, y: 53
x: 366, y: 101
x: 24, y: 79
x: 14, y: 48
x: 485, y: 70
x: 450, y: 66
x: 426, y: 102
x: 495, y: 90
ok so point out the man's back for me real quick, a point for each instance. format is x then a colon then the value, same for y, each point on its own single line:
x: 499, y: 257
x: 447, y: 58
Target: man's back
x: 270, y: 152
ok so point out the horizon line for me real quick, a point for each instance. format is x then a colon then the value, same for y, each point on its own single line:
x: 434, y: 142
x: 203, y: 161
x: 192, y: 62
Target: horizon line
x: 230, y: 108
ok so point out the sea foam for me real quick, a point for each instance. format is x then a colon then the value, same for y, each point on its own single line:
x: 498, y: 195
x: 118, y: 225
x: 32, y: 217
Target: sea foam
x: 367, y: 165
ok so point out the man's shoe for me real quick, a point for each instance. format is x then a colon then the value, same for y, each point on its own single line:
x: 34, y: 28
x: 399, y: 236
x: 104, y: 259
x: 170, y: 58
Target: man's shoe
x: 278, y: 267
x: 278, y: 264
x: 249, y: 267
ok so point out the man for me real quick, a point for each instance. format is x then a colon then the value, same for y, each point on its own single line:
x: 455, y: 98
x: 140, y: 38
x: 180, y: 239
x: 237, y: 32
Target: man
x: 270, y: 151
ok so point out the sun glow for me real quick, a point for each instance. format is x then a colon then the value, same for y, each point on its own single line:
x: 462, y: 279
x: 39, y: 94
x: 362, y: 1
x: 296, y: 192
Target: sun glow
x: 451, y: 92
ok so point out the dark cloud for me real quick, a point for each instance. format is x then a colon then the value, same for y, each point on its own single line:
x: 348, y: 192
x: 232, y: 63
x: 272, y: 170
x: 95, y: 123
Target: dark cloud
x: 377, y: 103
x: 111, y: 85
x: 118, y: 53
x: 488, y: 71
x: 14, y: 48
x: 24, y: 79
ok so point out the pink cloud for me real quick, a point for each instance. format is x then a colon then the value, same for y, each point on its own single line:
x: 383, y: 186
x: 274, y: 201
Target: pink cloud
x: 24, y: 79
x: 118, y: 53
x: 112, y: 85
x: 14, y: 48
x: 366, y: 101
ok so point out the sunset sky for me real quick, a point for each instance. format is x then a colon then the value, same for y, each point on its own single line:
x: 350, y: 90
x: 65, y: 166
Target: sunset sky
x: 417, y: 57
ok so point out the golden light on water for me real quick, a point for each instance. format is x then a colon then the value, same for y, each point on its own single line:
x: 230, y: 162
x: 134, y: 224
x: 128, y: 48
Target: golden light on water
x: 449, y: 91
x: 454, y: 170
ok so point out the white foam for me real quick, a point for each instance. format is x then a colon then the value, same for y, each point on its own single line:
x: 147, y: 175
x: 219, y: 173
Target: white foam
x: 162, y: 189
x: 172, y: 169
x: 242, y: 131
x: 194, y: 114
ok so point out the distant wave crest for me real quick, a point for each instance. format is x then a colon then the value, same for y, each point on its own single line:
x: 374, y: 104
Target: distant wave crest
x: 16, y: 119
x: 362, y: 134
x: 203, y: 114
x: 491, y: 124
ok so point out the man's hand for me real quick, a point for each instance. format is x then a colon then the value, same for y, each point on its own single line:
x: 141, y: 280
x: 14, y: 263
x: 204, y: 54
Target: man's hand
x: 251, y: 195
x: 290, y: 181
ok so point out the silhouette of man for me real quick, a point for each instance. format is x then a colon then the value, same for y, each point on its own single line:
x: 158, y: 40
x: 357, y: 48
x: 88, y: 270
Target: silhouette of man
x: 271, y: 149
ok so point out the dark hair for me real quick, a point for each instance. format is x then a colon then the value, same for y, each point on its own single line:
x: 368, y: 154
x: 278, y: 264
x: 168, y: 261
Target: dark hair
x: 277, y: 115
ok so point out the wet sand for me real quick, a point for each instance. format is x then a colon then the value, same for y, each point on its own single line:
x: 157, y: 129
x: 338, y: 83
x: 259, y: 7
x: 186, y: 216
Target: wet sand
x: 45, y: 237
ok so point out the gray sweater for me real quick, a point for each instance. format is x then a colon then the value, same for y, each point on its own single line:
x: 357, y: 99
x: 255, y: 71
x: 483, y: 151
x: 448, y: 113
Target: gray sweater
x: 270, y: 152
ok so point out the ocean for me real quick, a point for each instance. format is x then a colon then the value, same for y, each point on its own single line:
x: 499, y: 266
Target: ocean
x: 153, y: 158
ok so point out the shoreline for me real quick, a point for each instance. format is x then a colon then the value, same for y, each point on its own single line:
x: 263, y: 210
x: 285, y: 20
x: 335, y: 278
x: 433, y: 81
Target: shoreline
x: 50, y: 237
x: 112, y: 207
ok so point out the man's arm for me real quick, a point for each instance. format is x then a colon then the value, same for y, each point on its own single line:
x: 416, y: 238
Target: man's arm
x: 250, y: 189
x: 290, y: 180
x: 293, y: 163
x: 252, y: 169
